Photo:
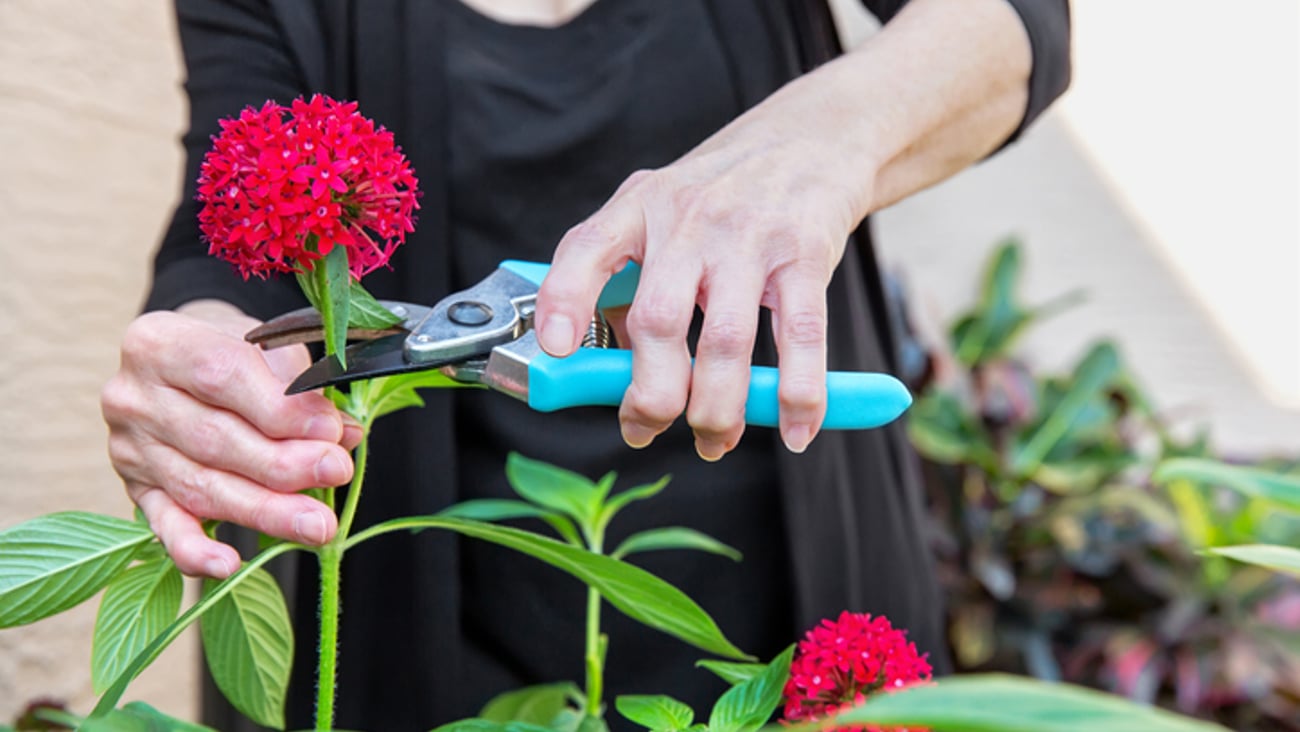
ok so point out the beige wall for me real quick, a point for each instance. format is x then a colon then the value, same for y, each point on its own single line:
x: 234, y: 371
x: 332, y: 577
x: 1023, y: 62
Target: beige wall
x: 89, y: 113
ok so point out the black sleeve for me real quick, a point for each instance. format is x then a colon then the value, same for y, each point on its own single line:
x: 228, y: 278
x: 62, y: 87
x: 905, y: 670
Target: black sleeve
x: 1047, y: 22
x: 235, y: 56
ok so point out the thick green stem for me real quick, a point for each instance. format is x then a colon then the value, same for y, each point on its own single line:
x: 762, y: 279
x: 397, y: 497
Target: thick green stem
x: 331, y: 562
x: 595, y: 675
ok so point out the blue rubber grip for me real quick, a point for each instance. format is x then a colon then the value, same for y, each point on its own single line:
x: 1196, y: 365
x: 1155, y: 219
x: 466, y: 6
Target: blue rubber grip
x: 618, y: 290
x: 593, y: 377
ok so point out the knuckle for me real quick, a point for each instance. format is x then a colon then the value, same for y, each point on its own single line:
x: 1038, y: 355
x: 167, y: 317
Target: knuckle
x: 592, y: 234
x: 217, y: 373
x: 283, y: 470
x: 206, y: 439
x: 143, y: 336
x: 651, y: 406
x: 801, y: 393
x: 655, y: 318
x: 195, y: 491
x: 804, y: 328
x: 259, y: 514
x: 117, y: 400
x: 728, y: 336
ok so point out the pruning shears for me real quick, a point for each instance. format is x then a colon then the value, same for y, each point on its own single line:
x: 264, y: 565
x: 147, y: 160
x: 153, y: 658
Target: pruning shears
x: 484, y: 335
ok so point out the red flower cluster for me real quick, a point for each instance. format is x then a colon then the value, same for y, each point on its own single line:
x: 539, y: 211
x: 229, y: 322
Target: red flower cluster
x: 282, y: 186
x: 840, y: 663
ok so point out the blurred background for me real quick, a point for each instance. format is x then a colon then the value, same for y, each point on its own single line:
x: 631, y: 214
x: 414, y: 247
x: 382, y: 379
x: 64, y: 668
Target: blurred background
x: 1163, y: 186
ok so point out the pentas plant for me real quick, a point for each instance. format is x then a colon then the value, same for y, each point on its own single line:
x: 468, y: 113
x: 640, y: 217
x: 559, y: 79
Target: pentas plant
x: 840, y: 663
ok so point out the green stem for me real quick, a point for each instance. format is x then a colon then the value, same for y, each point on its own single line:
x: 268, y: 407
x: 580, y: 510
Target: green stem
x: 595, y: 676
x: 331, y: 563
x: 331, y: 560
x: 59, y: 717
x: 595, y: 658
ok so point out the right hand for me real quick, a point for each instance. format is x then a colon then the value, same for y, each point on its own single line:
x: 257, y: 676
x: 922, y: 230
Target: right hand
x: 200, y: 428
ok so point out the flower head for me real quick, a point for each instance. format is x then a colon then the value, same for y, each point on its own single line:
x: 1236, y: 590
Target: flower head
x: 840, y: 663
x: 283, y: 186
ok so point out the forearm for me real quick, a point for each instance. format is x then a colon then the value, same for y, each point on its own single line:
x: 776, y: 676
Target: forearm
x: 940, y: 87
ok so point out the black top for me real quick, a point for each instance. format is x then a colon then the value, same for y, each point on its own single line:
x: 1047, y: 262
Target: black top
x: 852, y: 518
x: 543, y: 126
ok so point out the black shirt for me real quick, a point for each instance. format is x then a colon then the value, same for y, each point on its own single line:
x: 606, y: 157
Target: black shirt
x: 543, y: 126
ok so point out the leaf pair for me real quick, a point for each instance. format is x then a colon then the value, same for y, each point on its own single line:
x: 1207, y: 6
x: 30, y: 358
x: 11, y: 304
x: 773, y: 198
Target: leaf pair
x: 341, y: 301
x: 745, y: 707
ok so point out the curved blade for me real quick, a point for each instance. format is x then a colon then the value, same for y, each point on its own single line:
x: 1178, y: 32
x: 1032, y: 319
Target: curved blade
x: 380, y: 357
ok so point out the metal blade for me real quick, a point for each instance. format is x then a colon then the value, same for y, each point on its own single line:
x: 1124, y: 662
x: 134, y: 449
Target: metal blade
x: 380, y: 357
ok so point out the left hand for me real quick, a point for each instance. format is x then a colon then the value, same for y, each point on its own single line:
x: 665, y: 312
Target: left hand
x: 756, y: 216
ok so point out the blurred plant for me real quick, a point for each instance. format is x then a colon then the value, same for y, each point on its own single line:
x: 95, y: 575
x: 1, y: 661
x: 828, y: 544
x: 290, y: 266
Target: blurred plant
x: 1060, y: 556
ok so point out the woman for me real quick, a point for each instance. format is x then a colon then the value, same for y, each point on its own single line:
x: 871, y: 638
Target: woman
x: 683, y: 135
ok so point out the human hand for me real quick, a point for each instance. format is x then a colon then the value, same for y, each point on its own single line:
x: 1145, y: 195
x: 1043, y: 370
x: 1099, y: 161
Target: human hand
x: 758, y: 215
x: 200, y: 428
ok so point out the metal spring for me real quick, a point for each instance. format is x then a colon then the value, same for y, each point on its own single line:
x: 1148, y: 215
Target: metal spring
x: 599, y: 334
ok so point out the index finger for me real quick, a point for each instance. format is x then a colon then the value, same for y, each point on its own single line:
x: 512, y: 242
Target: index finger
x: 226, y: 372
x: 588, y: 255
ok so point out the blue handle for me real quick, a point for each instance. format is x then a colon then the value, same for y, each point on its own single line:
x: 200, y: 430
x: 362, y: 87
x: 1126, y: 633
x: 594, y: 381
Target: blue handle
x: 594, y: 377
x: 618, y: 290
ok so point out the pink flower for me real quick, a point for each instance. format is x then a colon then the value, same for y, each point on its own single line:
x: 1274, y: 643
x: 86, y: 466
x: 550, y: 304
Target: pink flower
x: 840, y: 663
x: 282, y: 187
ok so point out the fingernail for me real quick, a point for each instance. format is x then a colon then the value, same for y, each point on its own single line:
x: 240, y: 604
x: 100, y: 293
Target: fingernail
x: 709, y: 451
x: 637, y: 436
x: 218, y: 568
x: 797, y: 438
x: 556, y: 335
x: 310, y: 527
x: 323, y: 427
x: 330, y: 470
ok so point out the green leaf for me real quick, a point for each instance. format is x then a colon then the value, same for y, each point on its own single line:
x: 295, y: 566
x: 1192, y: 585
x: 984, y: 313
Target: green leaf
x: 136, y: 608
x: 475, y: 724
x: 248, y: 641
x: 673, y: 537
x: 748, y: 705
x: 331, y: 289
x: 634, y: 591
x: 54, y: 562
x: 637, y: 493
x: 538, y: 705
x: 1283, y: 490
x: 210, y: 598
x: 560, y: 490
x: 504, y: 509
x: 1098, y: 368
x: 942, y: 430
x: 388, y: 394
x: 990, y: 330
x: 998, y: 703
x: 731, y: 672
x: 366, y: 312
x: 139, y: 717
x: 493, y: 509
x: 1272, y: 556
x: 658, y: 713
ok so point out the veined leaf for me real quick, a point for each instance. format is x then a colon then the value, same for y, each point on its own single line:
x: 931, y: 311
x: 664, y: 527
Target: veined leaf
x: 748, y: 705
x: 366, y: 312
x: 1283, y: 490
x: 114, y: 694
x: 504, y: 509
x: 658, y: 713
x: 559, y: 490
x: 634, y: 591
x: 538, y: 705
x: 54, y: 562
x: 389, y: 394
x: 248, y: 642
x: 999, y: 703
x: 139, y: 717
x: 673, y: 537
x: 331, y: 290
x: 1276, y: 557
x: 137, y: 607
x: 732, y: 672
